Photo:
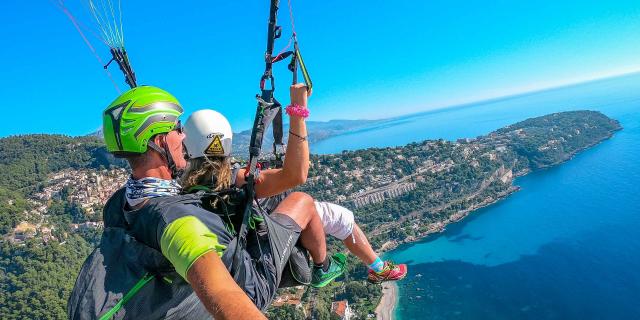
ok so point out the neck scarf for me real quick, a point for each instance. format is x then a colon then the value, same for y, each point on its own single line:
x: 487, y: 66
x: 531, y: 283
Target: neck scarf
x: 149, y: 187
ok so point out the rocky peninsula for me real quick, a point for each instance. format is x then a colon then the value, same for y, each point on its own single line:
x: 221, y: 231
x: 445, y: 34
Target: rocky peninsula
x: 403, y: 194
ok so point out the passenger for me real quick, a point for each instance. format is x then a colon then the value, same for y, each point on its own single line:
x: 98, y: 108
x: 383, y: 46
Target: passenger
x: 161, y: 254
x: 339, y: 222
x: 208, y: 144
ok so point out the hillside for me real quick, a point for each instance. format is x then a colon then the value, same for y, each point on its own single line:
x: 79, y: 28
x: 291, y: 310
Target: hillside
x: 53, y: 187
x: 419, y: 188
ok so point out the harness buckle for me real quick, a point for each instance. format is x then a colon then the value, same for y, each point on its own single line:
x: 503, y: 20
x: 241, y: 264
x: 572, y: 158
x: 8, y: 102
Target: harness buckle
x: 279, y: 150
x: 277, y: 32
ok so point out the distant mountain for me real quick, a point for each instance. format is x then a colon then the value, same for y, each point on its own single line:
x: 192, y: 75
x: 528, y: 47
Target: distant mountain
x: 318, y: 130
x: 97, y: 133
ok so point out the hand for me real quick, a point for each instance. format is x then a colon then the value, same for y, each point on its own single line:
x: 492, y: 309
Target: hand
x: 299, y: 94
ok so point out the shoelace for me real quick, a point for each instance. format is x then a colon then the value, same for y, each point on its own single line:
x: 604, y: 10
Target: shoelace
x: 389, y: 266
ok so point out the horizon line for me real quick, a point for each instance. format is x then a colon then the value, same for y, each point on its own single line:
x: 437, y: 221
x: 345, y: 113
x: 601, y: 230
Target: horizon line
x: 487, y: 100
x: 502, y: 97
x: 436, y: 109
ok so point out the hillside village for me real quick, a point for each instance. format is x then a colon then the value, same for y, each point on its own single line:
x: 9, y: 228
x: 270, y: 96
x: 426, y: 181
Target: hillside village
x: 89, y: 189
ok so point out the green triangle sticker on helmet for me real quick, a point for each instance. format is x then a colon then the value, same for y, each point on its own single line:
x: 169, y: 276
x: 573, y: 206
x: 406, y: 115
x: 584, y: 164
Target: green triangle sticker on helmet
x: 137, y: 115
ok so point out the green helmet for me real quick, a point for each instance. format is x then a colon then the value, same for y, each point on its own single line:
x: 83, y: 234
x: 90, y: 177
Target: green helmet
x: 130, y: 121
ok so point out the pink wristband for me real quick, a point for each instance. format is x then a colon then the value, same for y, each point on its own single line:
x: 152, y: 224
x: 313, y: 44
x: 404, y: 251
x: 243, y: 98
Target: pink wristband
x: 296, y: 110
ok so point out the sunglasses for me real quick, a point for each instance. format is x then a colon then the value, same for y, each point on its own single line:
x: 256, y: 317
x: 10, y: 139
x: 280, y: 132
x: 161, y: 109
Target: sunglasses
x: 185, y: 152
x: 178, y: 127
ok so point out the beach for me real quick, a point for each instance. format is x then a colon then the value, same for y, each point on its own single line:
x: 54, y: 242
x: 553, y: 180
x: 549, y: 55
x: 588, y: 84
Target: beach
x: 387, y: 305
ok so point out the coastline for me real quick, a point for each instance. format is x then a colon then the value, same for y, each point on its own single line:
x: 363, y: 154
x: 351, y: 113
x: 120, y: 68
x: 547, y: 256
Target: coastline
x: 388, y: 301
x: 440, y: 226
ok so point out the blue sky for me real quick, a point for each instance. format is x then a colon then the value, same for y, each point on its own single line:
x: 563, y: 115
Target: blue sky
x: 368, y: 59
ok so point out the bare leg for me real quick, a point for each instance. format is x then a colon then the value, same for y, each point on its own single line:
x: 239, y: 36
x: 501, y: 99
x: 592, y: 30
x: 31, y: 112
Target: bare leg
x: 361, y: 248
x: 337, y: 220
x: 301, y: 208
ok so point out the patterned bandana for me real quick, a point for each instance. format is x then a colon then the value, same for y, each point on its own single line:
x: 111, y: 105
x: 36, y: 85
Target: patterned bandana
x: 149, y: 187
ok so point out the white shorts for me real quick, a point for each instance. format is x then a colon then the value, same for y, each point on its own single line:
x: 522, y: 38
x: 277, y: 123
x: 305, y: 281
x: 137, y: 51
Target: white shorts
x: 337, y: 220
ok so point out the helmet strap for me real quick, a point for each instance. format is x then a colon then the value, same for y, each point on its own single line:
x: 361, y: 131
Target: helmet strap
x: 163, y: 149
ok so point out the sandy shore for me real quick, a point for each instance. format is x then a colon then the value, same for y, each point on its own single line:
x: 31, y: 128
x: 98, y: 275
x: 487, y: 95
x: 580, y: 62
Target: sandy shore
x: 387, y: 305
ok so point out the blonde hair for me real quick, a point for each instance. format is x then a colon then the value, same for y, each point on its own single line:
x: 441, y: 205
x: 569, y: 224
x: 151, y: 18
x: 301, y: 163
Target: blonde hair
x: 211, y: 172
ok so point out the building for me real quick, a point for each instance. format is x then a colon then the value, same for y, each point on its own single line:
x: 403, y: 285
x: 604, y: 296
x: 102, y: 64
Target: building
x: 294, y: 299
x: 380, y: 194
x: 341, y: 309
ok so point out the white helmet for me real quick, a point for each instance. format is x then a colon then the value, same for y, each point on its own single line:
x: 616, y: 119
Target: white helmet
x: 208, y: 134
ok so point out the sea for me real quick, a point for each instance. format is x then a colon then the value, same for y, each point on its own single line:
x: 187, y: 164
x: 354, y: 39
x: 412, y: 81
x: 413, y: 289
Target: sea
x: 566, y: 246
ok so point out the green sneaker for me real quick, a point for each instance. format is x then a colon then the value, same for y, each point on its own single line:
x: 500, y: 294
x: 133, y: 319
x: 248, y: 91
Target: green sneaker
x: 337, y: 266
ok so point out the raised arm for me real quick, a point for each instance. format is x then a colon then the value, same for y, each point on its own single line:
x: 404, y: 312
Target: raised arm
x: 296, y: 164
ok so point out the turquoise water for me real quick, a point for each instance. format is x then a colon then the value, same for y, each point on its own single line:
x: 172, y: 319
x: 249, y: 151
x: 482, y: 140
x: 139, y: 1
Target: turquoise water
x: 567, y: 246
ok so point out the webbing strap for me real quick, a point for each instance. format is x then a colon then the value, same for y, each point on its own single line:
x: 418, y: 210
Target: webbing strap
x: 278, y: 144
x: 303, y: 68
x: 141, y: 283
x: 195, y: 188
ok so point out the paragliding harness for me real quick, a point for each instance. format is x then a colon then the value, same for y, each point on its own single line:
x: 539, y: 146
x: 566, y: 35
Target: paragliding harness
x: 268, y: 110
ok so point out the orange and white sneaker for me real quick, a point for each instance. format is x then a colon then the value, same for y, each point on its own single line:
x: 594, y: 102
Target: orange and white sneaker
x: 390, y: 272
